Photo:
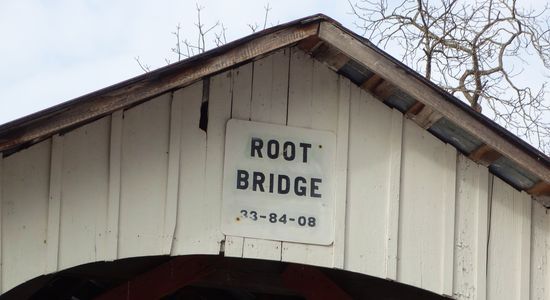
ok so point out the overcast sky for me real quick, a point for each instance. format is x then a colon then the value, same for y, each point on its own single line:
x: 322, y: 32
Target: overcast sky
x: 55, y: 50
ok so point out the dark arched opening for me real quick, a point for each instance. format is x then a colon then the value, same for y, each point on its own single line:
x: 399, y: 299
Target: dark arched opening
x: 209, y: 277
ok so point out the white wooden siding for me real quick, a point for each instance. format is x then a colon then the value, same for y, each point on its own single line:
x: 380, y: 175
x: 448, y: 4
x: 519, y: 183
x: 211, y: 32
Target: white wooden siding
x: 190, y: 236
x: 144, y: 168
x: 540, y: 226
x: 85, y: 154
x: 509, y: 241
x: 471, y: 230
x: 373, y: 184
x: 148, y: 181
x: 313, y: 102
x: 427, y: 199
x: 26, y: 181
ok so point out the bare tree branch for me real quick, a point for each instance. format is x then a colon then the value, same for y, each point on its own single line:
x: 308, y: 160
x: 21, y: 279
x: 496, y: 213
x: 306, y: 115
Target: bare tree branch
x: 468, y: 48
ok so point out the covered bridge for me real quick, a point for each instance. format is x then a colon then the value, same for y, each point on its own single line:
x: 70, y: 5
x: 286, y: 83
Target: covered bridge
x: 298, y: 162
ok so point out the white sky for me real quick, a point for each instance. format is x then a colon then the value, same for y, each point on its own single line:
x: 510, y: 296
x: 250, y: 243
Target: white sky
x: 56, y: 50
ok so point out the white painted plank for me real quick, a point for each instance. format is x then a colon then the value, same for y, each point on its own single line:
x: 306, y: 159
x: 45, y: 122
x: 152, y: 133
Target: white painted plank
x: 240, y: 109
x: 427, y: 180
x: 54, y: 204
x: 26, y: 184
x: 261, y: 249
x: 449, y: 199
x: 269, y: 105
x: 392, y: 213
x: 219, y: 112
x: 143, y: 177
x: 483, y: 217
x: 300, y: 89
x: 84, y: 180
x: 234, y: 246
x: 1, y: 218
x: 270, y: 88
x: 470, y: 230
x: 374, y: 158
x: 508, y: 265
x: 342, y: 140
x: 312, y: 103
x: 241, y: 92
x: 539, y: 252
x: 525, y: 242
x: 113, y: 206
x: 172, y: 185
x: 191, y: 236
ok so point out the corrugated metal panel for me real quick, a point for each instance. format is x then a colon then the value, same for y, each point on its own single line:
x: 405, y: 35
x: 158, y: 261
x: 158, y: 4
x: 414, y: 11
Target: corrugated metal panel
x: 355, y: 72
x: 455, y: 135
x: 400, y: 101
x: 511, y: 173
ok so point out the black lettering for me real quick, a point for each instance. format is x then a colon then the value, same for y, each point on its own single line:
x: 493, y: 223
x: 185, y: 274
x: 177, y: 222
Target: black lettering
x: 256, y: 147
x: 242, y: 179
x: 271, y: 182
x: 305, y: 147
x: 315, y: 187
x: 300, y: 190
x: 280, y: 188
x: 258, y: 181
x: 273, y: 149
x: 289, y: 151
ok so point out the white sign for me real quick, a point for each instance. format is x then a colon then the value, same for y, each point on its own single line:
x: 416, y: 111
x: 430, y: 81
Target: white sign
x: 278, y: 183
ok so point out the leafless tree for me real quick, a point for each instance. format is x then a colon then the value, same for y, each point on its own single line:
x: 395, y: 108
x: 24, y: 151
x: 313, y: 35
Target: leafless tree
x: 254, y: 27
x: 473, y: 49
x: 203, y: 36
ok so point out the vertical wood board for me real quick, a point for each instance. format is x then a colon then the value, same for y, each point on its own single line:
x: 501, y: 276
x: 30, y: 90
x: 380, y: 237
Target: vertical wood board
x: 312, y: 103
x: 269, y: 98
x: 509, y: 218
x: 219, y: 112
x: 371, y: 159
x: 1, y: 216
x: 172, y: 176
x: 145, y: 140
x: 85, y: 188
x: 241, y: 96
x: 113, y: 202
x: 342, y: 150
x: 428, y: 173
x: 190, y: 232
x: 54, y: 204
x: 392, y: 213
x: 539, y: 252
x: 471, y: 230
x: 25, y: 196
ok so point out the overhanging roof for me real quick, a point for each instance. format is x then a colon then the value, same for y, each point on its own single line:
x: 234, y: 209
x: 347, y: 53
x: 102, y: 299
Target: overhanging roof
x: 398, y: 86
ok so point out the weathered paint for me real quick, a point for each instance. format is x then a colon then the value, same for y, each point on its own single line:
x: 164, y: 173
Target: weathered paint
x: 147, y: 181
